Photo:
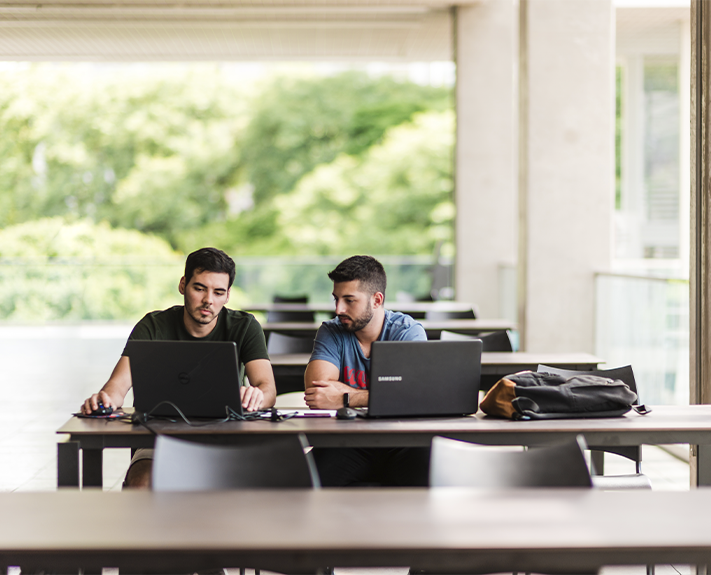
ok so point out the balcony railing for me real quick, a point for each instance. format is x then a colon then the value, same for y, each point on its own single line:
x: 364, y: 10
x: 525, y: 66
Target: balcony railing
x: 63, y: 289
x: 644, y: 321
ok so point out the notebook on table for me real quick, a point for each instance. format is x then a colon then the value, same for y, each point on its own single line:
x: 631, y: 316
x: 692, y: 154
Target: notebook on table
x: 424, y: 378
x: 201, y: 378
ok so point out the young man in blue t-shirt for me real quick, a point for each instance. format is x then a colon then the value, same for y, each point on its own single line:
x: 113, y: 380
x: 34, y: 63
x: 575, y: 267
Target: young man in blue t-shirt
x: 340, y: 364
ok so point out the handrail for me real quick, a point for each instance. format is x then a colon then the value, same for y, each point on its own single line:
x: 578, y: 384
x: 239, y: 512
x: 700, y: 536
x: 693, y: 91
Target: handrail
x: 640, y: 277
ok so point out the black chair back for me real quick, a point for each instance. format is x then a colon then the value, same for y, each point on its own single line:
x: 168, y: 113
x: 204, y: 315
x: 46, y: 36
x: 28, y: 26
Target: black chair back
x: 290, y: 299
x: 456, y: 463
x: 258, y: 462
x: 442, y: 315
x: 281, y: 343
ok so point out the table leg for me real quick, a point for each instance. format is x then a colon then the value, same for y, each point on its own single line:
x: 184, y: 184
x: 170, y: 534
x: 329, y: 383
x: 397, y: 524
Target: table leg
x: 597, y: 458
x: 703, y: 465
x: 68, y: 464
x: 92, y: 468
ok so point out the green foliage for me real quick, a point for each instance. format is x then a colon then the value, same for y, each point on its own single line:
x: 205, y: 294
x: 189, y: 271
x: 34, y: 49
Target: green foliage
x: 150, y: 152
x: 299, y: 123
x: 165, y: 150
x: 51, y: 270
x: 394, y: 199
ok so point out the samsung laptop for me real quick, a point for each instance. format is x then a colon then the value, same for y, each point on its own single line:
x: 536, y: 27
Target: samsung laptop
x: 424, y: 378
x: 201, y: 378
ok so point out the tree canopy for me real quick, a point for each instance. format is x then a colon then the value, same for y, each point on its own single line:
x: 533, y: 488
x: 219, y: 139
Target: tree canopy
x: 84, y: 270
x: 188, y: 153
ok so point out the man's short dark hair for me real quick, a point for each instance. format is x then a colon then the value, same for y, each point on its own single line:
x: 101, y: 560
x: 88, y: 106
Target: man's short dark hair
x: 366, y: 269
x: 209, y: 260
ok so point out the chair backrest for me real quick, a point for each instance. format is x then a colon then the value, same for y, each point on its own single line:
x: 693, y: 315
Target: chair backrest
x: 443, y: 315
x: 280, y: 343
x: 624, y: 373
x: 257, y: 462
x: 456, y: 463
x: 446, y: 335
x: 278, y: 316
x: 494, y: 341
x: 290, y: 299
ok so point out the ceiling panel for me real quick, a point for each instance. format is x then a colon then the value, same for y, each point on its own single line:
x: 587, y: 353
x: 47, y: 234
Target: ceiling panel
x: 129, y: 31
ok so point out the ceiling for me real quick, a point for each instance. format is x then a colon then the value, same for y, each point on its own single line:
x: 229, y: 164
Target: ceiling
x: 234, y: 30
x: 396, y: 30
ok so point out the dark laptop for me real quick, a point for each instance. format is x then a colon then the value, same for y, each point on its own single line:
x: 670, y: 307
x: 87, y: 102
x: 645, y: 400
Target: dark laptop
x: 409, y: 378
x: 199, y: 377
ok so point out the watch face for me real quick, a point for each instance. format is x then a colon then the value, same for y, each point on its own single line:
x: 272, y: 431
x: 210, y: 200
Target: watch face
x: 345, y: 400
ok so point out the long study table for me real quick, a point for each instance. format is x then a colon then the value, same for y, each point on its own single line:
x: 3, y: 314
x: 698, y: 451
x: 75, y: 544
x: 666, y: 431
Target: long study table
x: 432, y: 328
x: 448, y: 530
x: 327, y: 307
x: 492, y: 362
x: 664, y: 425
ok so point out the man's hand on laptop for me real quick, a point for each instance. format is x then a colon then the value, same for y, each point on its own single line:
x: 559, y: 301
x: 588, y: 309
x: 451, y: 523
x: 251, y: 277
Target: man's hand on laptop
x: 252, y: 398
x: 329, y: 395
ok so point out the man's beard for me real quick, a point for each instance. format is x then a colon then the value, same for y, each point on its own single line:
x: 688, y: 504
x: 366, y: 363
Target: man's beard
x: 360, y: 322
x: 197, y: 317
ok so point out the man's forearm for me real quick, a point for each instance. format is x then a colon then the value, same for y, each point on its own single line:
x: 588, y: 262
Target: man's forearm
x: 356, y: 397
x: 329, y: 395
x: 268, y: 389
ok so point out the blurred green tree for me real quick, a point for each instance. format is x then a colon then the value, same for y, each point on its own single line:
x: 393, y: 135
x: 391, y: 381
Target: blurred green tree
x: 52, y: 270
x: 189, y: 154
x: 154, y: 152
x: 299, y: 123
x: 396, y: 198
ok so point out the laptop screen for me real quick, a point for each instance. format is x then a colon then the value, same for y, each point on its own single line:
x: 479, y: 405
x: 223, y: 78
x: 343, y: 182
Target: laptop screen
x: 409, y: 378
x: 201, y: 378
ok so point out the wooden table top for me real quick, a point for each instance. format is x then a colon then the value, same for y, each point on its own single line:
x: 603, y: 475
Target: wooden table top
x: 447, y: 529
x: 664, y: 425
x: 431, y: 326
x: 488, y: 358
x: 329, y: 306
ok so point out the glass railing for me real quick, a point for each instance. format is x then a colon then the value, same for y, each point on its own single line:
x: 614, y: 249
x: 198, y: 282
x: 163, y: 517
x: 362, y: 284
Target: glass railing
x: 644, y: 321
x: 42, y: 290
x: 259, y: 279
x: 641, y: 320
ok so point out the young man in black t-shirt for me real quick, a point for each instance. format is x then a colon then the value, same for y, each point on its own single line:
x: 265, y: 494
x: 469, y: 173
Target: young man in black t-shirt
x: 205, y: 287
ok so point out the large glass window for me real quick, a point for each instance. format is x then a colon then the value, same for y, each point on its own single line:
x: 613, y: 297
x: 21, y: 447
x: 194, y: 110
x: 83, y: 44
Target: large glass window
x: 648, y: 173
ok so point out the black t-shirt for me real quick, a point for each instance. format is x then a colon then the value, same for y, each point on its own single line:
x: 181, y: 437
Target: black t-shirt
x: 232, y: 325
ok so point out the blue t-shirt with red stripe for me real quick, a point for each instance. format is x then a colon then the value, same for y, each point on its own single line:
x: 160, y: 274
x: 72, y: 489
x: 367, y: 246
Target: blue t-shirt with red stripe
x: 341, y: 348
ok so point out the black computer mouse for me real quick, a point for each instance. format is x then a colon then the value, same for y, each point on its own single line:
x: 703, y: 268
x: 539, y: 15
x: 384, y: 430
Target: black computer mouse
x: 102, y: 410
x: 346, y: 413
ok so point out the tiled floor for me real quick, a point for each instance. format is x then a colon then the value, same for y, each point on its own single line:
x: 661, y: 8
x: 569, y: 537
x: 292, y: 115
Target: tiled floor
x: 46, y: 374
x: 48, y: 371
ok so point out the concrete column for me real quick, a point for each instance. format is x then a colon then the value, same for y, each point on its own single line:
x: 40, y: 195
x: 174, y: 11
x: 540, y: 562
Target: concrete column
x: 485, y: 173
x: 569, y: 169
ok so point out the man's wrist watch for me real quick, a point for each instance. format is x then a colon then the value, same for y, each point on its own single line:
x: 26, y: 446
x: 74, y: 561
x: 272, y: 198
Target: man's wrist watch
x: 346, y: 400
